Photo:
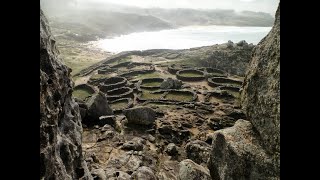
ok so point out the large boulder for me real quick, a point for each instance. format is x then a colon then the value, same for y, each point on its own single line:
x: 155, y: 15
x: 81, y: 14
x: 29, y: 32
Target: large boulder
x: 198, y: 151
x: 140, y: 115
x: 190, y: 170
x: 98, y: 106
x: 144, y: 173
x: 251, y: 150
x: 60, y: 121
x: 171, y: 149
x: 237, y: 154
x: 171, y: 84
x: 260, y: 97
x: 135, y: 144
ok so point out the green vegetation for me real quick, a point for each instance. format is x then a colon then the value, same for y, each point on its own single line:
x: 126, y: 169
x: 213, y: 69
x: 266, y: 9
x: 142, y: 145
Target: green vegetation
x: 125, y: 59
x: 151, y: 84
x: 99, y: 76
x: 149, y: 95
x: 179, y: 96
x: 214, y: 74
x: 190, y: 74
x: 81, y: 94
x: 79, y: 56
x: 119, y: 104
x: 235, y: 94
x: 161, y: 106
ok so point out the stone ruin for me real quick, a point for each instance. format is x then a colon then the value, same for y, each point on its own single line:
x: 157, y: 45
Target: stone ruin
x: 173, y: 68
x: 121, y: 104
x: 84, y: 87
x: 214, y: 72
x: 118, y: 93
x: 112, y: 83
x: 137, y: 116
x: 198, y: 75
x: 226, y: 82
x: 144, y: 83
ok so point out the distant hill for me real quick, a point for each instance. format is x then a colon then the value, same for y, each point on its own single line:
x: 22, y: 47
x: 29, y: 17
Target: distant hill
x: 92, y: 20
x: 89, y: 25
x: 185, y: 17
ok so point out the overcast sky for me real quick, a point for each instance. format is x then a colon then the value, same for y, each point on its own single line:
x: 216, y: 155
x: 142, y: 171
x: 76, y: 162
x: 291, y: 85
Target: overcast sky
x: 268, y: 6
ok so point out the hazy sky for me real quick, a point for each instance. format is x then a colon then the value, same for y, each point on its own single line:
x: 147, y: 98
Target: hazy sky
x: 268, y: 6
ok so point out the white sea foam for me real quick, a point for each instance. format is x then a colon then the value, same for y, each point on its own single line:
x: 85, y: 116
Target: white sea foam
x: 183, y: 38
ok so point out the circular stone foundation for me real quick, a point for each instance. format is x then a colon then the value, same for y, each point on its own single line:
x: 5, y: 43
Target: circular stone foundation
x: 180, y: 96
x: 119, y: 93
x: 106, y: 70
x: 121, y: 104
x: 112, y: 83
x: 173, y: 68
x: 231, y: 88
x: 220, y: 81
x: 83, y: 91
x: 150, y: 83
x: 214, y: 72
x: 190, y: 75
x: 168, y: 96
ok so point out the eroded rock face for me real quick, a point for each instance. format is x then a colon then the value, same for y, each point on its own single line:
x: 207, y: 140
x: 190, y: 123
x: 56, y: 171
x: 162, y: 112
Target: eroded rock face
x: 144, y: 173
x: 192, y: 171
x: 60, y: 122
x: 261, y: 89
x: 251, y: 150
x: 198, y: 151
x: 237, y: 154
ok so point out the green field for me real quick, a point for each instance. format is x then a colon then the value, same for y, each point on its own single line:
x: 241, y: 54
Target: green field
x: 81, y: 94
x: 151, y: 84
x: 148, y: 95
x: 177, y: 96
x: 119, y: 105
x: 190, y: 74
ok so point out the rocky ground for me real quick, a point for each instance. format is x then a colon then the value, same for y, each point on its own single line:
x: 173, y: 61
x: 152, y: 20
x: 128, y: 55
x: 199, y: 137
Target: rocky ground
x: 156, y: 140
x: 138, y: 116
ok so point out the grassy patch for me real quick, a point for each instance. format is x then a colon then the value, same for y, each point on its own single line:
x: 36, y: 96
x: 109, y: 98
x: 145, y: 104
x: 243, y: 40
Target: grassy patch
x: 177, y: 96
x: 190, y: 74
x: 125, y: 59
x: 81, y: 94
x: 151, y: 84
x: 119, y: 105
x: 235, y: 94
x: 148, y: 95
x: 79, y: 56
x: 161, y: 106
x: 99, y: 76
x: 148, y: 75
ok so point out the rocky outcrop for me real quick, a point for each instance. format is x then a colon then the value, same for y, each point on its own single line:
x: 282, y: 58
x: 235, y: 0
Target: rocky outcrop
x: 192, y: 171
x: 171, y: 84
x: 261, y: 89
x: 198, y: 151
x: 98, y: 106
x: 140, y: 115
x: 237, y: 154
x: 171, y: 149
x: 60, y: 121
x: 251, y: 150
x: 144, y: 173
